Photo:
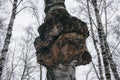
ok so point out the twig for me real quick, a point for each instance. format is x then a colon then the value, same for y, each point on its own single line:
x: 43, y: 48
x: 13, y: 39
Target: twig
x: 11, y: 2
x: 94, y: 23
x: 115, y: 47
x: 36, y: 15
x: 95, y: 70
x: 19, y: 3
x: 23, y: 9
x: 112, y: 15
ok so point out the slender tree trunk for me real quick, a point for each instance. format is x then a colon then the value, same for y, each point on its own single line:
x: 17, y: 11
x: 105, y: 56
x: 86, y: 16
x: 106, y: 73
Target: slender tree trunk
x: 23, y: 73
x: 94, y: 41
x: 112, y: 63
x: 61, y: 45
x: 101, y: 38
x: 107, y: 56
x: 7, y: 38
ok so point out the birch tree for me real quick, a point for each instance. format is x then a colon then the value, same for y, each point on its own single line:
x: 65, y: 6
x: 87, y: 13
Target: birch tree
x: 95, y: 44
x: 101, y: 17
x: 4, y: 50
x: 61, y: 45
x: 7, y: 39
x: 106, y: 53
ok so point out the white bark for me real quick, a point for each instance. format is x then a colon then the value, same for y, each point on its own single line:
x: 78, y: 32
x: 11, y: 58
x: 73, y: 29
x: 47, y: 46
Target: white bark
x: 107, y: 57
x: 101, y: 37
x: 95, y: 45
x: 7, y: 38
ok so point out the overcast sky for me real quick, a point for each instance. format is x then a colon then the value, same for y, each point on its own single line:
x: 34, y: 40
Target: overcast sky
x: 26, y: 18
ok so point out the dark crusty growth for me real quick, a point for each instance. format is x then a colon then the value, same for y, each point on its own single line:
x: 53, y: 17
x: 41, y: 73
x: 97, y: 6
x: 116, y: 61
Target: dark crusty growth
x: 62, y: 40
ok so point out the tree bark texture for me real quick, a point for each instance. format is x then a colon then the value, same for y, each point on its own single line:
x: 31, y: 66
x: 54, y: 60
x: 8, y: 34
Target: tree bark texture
x: 107, y: 57
x: 8, y: 37
x: 95, y: 45
x: 62, y: 72
x: 61, y: 45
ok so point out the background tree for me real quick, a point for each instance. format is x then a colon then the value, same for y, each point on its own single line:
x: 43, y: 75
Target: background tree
x: 95, y: 43
x: 107, y: 57
x: 8, y: 36
x: 15, y: 5
x: 102, y: 8
x: 27, y: 57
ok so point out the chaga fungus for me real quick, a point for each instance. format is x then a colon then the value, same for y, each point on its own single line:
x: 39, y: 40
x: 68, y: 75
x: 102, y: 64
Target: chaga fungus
x: 62, y: 40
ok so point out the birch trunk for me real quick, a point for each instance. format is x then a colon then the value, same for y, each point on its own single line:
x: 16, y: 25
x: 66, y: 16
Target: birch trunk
x: 96, y: 48
x: 7, y: 38
x: 102, y: 44
x: 107, y: 57
x: 61, y: 73
x: 112, y: 63
x: 61, y: 45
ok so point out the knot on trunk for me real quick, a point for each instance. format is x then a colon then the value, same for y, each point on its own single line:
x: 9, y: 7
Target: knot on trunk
x: 62, y: 40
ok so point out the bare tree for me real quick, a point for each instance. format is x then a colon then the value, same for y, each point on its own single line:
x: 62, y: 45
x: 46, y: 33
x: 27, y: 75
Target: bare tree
x: 27, y: 56
x: 11, y: 65
x: 102, y: 7
x: 107, y: 56
x: 35, y: 11
x: 8, y: 36
x: 95, y: 44
x: 4, y: 50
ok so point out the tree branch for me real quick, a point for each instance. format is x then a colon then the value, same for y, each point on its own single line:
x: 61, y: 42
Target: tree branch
x: 36, y: 13
x: 24, y: 8
x: 115, y: 47
x: 95, y: 70
x: 11, y: 2
x: 19, y: 3
x: 112, y: 15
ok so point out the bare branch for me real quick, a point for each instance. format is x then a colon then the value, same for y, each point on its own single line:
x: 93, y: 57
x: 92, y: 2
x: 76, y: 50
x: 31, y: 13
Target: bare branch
x: 100, y: 3
x: 11, y: 2
x: 24, y: 8
x: 112, y: 15
x: 19, y: 3
x: 115, y: 47
x: 87, y: 75
x: 94, y: 23
x: 112, y: 29
x: 36, y: 15
x: 95, y: 71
